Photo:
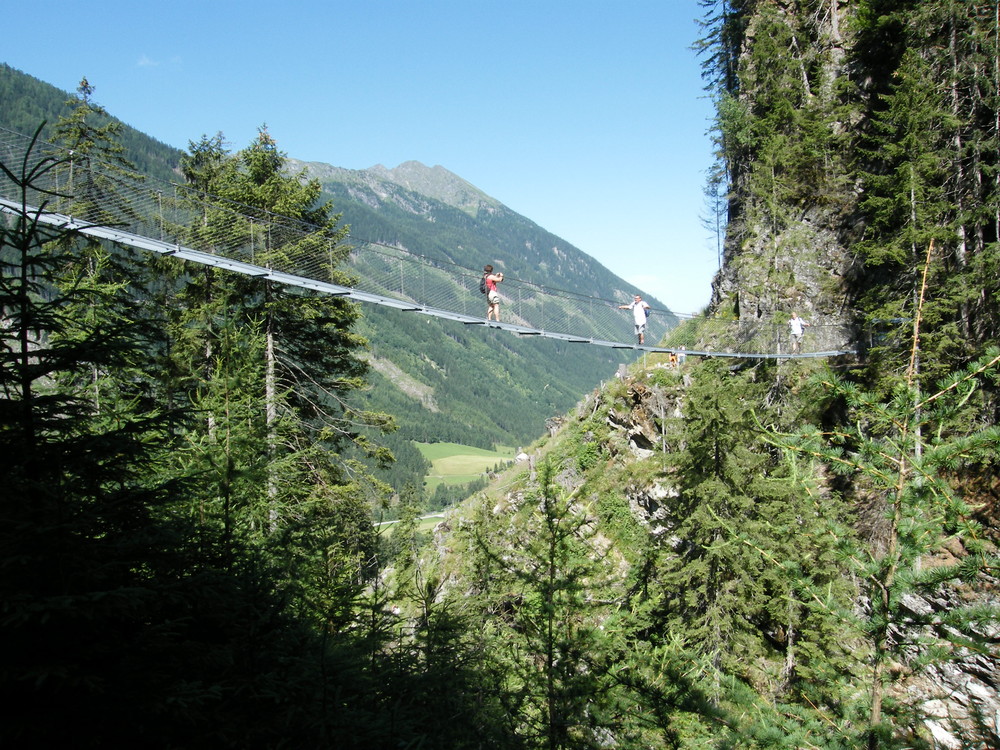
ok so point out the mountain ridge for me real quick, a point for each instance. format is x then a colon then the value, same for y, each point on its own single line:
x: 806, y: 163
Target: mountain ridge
x: 513, y: 242
x: 436, y: 182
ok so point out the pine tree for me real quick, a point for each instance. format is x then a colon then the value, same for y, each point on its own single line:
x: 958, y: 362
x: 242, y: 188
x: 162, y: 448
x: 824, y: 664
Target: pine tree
x: 541, y: 622
x: 902, y: 452
x: 270, y: 369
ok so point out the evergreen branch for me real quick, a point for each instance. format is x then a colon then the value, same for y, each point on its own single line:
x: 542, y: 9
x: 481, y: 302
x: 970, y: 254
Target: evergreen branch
x: 963, y: 379
x: 775, y: 562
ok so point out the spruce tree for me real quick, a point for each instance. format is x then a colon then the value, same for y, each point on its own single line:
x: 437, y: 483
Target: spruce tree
x: 905, y: 201
x: 95, y: 175
x: 540, y: 620
x: 712, y: 587
x: 101, y: 585
x: 902, y: 452
x: 270, y: 370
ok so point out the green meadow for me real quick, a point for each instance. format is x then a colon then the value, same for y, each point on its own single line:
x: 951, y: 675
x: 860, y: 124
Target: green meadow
x: 452, y: 463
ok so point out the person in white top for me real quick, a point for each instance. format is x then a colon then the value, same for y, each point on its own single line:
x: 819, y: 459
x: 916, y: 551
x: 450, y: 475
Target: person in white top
x: 640, y: 310
x: 796, y: 327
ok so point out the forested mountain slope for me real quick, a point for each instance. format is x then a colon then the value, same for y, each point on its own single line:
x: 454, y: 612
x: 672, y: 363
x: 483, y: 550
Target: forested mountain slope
x: 28, y: 102
x: 436, y: 214
x: 475, y: 388
x: 432, y: 213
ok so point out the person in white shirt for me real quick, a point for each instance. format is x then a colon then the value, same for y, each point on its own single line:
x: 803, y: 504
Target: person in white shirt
x: 796, y: 327
x: 640, y: 310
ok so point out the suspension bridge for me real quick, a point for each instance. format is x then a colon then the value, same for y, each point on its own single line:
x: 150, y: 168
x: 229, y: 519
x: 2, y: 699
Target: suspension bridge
x: 173, y: 220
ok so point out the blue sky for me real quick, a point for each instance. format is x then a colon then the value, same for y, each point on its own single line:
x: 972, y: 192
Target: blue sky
x: 588, y: 117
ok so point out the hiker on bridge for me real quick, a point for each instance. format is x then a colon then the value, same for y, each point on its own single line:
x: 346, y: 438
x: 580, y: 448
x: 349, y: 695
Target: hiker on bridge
x: 492, y: 295
x: 796, y: 327
x: 640, y: 311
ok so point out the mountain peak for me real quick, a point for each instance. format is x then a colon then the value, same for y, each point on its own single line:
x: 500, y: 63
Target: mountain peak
x: 438, y: 183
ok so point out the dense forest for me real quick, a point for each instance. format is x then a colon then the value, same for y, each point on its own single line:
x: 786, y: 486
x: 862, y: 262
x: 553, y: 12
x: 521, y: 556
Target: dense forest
x: 726, y: 554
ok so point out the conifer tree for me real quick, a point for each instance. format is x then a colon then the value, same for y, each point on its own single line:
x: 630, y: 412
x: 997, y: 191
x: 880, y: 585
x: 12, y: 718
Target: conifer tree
x: 885, y: 449
x: 905, y: 199
x: 543, y: 627
x: 270, y: 370
x: 94, y: 177
x: 95, y: 161
x: 99, y: 580
x: 127, y: 612
x: 956, y: 45
x: 712, y: 588
x: 749, y: 548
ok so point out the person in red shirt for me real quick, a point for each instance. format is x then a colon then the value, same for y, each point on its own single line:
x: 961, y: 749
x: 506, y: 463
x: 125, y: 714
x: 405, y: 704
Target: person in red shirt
x: 492, y: 295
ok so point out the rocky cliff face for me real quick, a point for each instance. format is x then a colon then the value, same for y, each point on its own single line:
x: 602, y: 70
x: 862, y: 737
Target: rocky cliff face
x: 804, y: 268
x: 791, y: 198
x: 960, y: 698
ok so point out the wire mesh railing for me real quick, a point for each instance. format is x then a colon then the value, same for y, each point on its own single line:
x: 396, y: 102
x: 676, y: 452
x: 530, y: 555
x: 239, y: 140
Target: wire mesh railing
x: 761, y: 337
x: 66, y: 184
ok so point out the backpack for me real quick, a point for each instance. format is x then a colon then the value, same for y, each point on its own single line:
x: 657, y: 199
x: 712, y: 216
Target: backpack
x: 482, y: 285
